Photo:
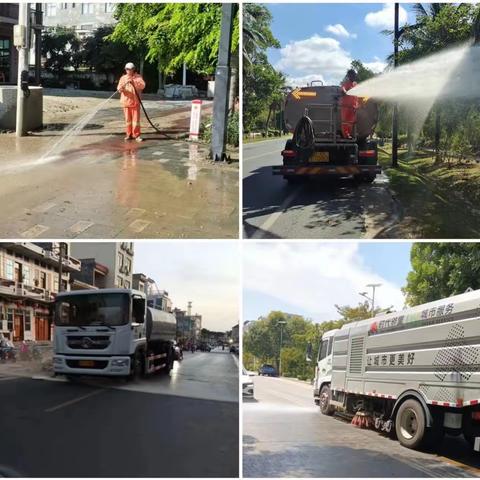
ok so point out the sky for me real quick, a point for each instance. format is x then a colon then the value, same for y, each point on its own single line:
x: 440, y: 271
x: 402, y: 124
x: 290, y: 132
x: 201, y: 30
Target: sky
x: 310, y: 278
x: 320, y: 40
x: 206, y: 273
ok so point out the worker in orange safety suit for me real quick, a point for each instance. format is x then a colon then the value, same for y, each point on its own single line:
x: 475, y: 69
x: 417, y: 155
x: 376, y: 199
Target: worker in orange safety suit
x: 127, y: 85
x: 348, y: 104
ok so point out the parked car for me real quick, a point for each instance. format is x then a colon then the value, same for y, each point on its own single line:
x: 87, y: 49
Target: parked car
x: 247, y: 384
x: 268, y: 370
x: 204, y: 347
x: 234, y: 349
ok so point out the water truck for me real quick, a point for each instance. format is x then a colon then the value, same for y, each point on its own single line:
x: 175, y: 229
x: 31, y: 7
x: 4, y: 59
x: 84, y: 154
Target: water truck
x: 318, y: 148
x: 111, y: 332
x: 415, y: 373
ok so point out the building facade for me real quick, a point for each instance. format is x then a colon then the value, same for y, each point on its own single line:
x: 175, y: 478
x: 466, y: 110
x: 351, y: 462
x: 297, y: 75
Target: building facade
x: 92, y: 275
x: 29, y: 282
x: 188, y: 326
x: 8, y: 53
x: 117, y: 257
x: 85, y: 18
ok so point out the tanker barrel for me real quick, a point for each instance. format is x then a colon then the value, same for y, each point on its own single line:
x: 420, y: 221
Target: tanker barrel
x: 160, y: 326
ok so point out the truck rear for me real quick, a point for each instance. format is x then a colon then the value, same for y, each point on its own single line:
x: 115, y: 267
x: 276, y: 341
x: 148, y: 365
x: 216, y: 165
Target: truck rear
x: 318, y: 147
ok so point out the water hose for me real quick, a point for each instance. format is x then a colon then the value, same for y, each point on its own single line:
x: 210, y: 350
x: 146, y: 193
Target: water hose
x: 303, y: 135
x: 147, y: 117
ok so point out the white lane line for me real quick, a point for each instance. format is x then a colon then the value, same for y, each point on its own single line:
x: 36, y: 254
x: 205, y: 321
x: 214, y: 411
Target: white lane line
x: 75, y: 400
x: 268, y: 223
x: 235, y: 358
x: 258, y: 156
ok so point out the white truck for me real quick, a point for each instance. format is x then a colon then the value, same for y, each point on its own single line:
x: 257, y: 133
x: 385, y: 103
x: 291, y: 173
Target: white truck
x: 414, y: 372
x: 111, y: 332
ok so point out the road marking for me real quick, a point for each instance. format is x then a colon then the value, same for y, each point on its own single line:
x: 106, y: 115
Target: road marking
x: 135, y: 212
x: 35, y: 231
x: 2, y: 379
x: 139, y: 225
x: 43, y: 207
x: 258, y: 156
x: 268, y: 223
x: 75, y: 400
x: 80, y: 226
x: 235, y: 358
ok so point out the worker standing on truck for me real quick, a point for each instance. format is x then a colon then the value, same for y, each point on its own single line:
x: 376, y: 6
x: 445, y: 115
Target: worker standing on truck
x: 348, y: 104
x: 130, y: 86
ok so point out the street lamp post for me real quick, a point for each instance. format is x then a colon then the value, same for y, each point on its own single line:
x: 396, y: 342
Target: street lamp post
x: 371, y: 299
x: 281, y: 323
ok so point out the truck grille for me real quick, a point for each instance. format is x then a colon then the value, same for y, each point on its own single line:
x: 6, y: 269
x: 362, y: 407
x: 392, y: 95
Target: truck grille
x: 356, y: 356
x: 86, y: 342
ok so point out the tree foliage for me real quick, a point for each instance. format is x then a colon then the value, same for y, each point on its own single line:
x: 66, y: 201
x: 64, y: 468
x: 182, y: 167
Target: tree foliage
x: 174, y: 33
x: 62, y: 49
x: 440, y: 270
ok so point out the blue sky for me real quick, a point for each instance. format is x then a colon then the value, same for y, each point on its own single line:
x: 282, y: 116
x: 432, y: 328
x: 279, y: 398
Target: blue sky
x: 207, y: 273
x: 309, y: 279
x: 319, y: 40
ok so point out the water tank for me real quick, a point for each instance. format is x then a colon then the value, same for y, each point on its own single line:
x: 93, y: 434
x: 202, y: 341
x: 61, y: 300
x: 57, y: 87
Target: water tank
x: 321, y: 104
x: 160, y: 325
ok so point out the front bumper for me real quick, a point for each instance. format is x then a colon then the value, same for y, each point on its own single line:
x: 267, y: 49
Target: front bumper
x: 329, y: 170
x: 106, y: 366
x: 247, y: 390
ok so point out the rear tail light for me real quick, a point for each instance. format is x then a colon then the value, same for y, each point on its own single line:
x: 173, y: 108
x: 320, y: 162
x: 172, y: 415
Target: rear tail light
x: 289, y: 153
x: 366, y: 153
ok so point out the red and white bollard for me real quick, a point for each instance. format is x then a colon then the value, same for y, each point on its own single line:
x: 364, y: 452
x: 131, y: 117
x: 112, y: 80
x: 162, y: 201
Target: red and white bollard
x: 195, y: 117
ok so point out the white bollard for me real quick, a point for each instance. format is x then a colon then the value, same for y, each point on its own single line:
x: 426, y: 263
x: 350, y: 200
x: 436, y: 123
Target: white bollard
x: 195, y: 119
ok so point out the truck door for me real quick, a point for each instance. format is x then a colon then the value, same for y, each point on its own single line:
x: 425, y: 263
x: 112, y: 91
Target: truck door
x: 324, y: 363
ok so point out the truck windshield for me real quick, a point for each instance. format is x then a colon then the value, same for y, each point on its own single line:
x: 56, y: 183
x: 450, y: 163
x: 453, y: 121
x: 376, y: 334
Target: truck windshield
x: 109, y: 309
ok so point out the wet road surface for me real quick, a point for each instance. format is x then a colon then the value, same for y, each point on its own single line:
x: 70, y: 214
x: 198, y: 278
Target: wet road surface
x: 95, y: 185
x: 113, y: 429
x: 313, y: 209
x: 285, y: 435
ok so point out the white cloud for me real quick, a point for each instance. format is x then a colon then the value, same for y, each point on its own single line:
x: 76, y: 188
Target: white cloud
x: 322, y: 57
x: 377, y: 66
x: 340, y: 31
x: 384, y: 18
x: 303, y: 81
x: 313, y: 278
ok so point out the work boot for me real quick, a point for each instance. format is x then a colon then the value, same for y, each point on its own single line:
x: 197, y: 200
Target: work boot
x: 139, y: 139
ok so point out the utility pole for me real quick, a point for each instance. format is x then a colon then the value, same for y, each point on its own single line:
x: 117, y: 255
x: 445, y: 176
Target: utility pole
x: 38, y: 42
x: 60, y: 266
x: 222, y: 84
x: 21, y: 36
x: 184, y: 75
x: 395, y: 105
x: 373, y: 286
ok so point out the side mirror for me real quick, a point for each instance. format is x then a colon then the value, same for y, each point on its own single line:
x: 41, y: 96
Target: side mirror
x: 308, y: 356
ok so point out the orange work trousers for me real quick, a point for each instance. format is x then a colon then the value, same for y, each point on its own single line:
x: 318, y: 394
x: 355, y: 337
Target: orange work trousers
x: 132, y: 121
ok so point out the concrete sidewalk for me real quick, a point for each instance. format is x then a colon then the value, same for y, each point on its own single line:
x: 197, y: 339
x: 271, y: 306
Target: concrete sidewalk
x: 92, y: 184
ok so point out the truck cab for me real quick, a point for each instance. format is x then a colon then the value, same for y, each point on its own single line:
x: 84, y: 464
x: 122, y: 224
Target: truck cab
x: 323, y: 369
x: 97, y: 332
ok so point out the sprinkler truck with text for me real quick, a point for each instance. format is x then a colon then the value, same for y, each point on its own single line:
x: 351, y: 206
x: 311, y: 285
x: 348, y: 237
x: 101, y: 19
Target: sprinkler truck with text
x: 414, y: 372
x: 111, y: 332
x: 331, y: 135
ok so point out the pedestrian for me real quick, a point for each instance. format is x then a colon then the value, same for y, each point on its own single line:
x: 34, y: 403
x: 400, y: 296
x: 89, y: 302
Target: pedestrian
x: 348, y: 104
x: 131, y: 86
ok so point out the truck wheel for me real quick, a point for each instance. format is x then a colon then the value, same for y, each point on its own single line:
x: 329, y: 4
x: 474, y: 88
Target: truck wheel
x: 136, y: 369
x: 410, y: 424
x: 170, y: 358
x: 292, y: 179
x: 325, y: 398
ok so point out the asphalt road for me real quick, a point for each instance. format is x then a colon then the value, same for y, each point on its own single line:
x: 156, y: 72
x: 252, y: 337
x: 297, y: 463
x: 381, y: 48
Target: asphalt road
x: 112, y: 429
x: 285, y: 435
x: 313, y: 209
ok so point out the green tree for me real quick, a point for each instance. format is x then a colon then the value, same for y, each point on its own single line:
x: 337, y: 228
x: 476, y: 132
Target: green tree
x: 363, y: 72
x: 440, y: 270
x: 62, y: 49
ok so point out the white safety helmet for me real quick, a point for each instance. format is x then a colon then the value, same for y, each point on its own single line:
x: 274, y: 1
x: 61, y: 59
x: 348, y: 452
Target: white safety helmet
x: 129, y: 66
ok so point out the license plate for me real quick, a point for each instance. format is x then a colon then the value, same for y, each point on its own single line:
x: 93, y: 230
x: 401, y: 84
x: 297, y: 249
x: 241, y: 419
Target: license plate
x: 86, y: 363
x: 319, y: 157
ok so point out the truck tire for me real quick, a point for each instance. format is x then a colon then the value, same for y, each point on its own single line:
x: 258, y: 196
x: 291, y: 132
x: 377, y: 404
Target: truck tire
x: 136, y: 369
x: 411, y: 424
x: 325, y: 401
x: 170, y: 359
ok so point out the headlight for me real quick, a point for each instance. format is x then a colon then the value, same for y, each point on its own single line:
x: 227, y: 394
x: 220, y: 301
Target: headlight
x: 120, y: 362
